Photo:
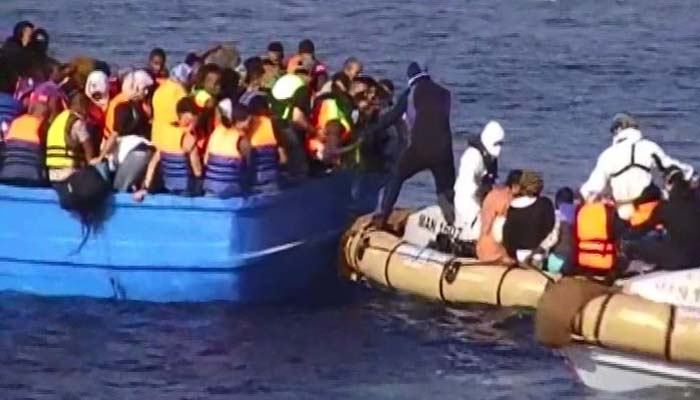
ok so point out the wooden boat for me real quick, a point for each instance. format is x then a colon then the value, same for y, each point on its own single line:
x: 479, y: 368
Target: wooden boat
x: 264, y: 248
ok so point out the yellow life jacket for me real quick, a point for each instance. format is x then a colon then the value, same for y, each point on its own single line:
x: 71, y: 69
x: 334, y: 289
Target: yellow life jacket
x: 59, y: 153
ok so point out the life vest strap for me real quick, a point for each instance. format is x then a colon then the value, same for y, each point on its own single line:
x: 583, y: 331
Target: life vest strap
x: 633, y: 164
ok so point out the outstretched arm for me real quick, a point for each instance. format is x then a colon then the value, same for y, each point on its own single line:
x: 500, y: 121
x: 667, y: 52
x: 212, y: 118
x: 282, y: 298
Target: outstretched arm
x: 664, y: 161
x: 140, y: 194
x: 389, y: 118
x: 596, y: 183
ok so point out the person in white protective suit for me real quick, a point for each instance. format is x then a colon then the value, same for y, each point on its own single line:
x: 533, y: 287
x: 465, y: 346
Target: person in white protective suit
x: 478, y: 171
x: 626, y: 166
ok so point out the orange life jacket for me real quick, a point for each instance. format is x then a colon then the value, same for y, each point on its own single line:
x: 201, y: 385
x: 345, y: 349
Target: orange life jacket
x: 594, y: 240
x: 265, y: 157
x: 643, y: 212
x: 175, y: 164
x: 26, y: 128
x: 109, y: 115
x: 23, y: 155
x: 225, y: 164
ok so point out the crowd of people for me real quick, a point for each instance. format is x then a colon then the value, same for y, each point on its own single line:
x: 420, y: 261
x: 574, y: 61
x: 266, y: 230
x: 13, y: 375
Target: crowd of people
x: 213, y: 124
x: 620, y: 221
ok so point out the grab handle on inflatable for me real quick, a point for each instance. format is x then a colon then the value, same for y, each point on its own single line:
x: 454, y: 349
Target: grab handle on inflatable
x: 451, y: 269
x: 361, y: 247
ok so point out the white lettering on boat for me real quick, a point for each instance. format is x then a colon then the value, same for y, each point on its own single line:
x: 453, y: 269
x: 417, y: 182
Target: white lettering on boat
x: 685, y: 292
x: 433, y: 226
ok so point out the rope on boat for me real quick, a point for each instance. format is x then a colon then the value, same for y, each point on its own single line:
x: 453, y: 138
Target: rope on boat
x: 669, y: 332
x: 388, y: 261
x: 601, y: 315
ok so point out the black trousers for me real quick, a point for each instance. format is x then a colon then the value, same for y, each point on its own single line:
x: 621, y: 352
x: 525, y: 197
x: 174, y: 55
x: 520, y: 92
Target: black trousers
x: 411, y: 163
x: 662, y: 253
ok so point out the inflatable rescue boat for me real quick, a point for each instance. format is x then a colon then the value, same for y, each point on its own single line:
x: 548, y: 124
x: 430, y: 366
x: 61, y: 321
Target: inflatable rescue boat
x: 646, y: 336
x: 393, y: 260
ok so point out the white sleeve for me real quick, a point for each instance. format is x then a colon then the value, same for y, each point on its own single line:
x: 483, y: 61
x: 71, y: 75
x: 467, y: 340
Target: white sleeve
x: 597, y: 182
x: 667, y: 161
x: 471, y: 166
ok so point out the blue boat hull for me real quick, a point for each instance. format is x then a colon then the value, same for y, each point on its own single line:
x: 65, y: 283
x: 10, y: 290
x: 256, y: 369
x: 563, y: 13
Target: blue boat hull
x: 265, y: 248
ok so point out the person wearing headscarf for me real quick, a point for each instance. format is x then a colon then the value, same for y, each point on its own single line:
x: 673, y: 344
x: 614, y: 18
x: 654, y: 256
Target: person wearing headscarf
x: 50, y: 91
x: 530, y: 218
x: 427, y: 107
x: 128, y: 147
x: 626, y: 166
x: 97, y: 91
x: 478, y: 170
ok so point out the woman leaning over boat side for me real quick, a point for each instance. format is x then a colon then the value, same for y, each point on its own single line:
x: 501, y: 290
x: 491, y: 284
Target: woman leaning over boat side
x: 128, y: 146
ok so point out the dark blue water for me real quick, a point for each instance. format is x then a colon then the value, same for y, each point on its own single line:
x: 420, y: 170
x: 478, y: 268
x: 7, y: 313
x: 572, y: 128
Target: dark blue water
x: 553, y: 72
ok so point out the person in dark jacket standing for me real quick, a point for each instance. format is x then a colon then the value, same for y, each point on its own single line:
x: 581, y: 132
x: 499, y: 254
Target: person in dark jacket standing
x: 430, y: 147
x: 15, y: 49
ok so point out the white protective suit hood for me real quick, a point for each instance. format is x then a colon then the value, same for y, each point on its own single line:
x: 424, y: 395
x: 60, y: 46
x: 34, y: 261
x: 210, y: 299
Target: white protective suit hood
x: 630, y: 134
x: 492, y: 138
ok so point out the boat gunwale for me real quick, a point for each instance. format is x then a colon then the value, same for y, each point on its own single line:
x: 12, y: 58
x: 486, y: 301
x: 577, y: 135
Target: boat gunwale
x: 166, y: 201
